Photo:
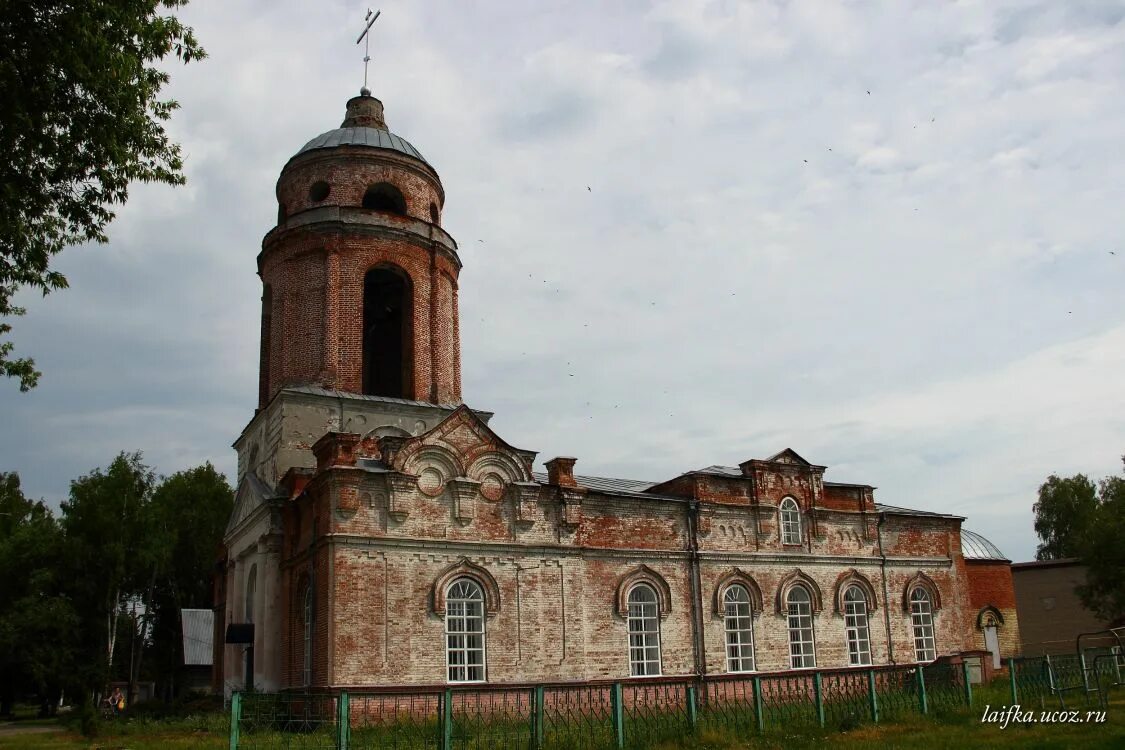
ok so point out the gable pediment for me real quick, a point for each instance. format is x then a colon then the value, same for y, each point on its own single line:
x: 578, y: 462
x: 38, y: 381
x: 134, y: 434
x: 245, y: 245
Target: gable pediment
x: 463, y: 445
x: 252, y: 493
x: 788, y: 456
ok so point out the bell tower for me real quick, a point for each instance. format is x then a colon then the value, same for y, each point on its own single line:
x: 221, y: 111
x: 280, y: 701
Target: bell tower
x: 359, y: 279
x: 359, y: 298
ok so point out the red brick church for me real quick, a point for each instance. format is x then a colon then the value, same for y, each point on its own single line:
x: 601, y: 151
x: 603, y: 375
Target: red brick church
x: 383, y: 534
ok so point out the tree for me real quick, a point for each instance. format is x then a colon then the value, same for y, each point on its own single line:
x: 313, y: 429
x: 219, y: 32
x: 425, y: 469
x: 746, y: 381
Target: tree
x: 37, y: 623
x: 195, y: 505
x: 109, y: 548
x: 81, y: 120
x: 1104, y: 591
x: 1075, y: 518
x: 1063, y: 516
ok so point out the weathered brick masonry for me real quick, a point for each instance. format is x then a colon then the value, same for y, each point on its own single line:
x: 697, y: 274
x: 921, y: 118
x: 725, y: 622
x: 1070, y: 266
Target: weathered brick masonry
x: 360, y: 513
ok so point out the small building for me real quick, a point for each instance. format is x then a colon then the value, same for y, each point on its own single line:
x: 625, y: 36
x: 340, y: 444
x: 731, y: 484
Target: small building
x: 198, y: 626
x: 1051, y: 613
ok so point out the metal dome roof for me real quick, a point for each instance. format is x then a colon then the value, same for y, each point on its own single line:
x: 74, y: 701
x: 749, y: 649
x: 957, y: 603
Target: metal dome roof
x: 976, y: 547
x: 363, y: 136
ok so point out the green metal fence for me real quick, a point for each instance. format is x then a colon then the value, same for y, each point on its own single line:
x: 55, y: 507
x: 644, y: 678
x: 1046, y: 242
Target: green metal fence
x: 1066, y: 680
x: 632, y: 714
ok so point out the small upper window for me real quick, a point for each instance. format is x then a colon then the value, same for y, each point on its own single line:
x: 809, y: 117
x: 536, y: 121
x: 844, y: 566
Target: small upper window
x: 434, y: 216
x: 319, y: 191
x: 790, y: 522
x: 385, y: 197
x: 281, y: 213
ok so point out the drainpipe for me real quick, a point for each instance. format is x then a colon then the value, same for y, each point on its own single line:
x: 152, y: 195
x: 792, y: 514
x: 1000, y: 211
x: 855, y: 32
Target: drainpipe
x: 886, y: 591
x: 696, y: 586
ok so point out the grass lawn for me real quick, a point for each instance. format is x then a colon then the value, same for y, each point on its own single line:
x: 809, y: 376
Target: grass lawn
x: 959, y: 730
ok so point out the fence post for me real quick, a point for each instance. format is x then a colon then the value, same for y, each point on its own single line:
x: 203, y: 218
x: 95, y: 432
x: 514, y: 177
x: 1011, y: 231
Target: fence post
x: 872, y: 696
x: 235, y: 718
x: 818, y: 694
x: 537, y: 716
x: 968, y: 685
x: 447, y: 720
x: 618, y: 710
x: 343, y: 721
x: 923, y: 705
x: 1012, y: 680
x: 759, y: 707
x: 693, y: 719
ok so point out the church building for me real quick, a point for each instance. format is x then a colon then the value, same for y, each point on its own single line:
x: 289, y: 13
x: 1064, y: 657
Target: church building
x: 384, y: 535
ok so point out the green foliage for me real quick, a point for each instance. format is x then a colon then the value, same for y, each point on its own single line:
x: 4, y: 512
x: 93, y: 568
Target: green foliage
x: 1063, y: 515
x: 1104, y: 591
x: 1076, y: 518
x: 106, y: 524
x: 81, y: 121
x: 37, y: 621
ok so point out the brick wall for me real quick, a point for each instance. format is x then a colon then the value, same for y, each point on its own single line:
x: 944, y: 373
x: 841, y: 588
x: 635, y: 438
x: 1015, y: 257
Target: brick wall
x: 386, y: 538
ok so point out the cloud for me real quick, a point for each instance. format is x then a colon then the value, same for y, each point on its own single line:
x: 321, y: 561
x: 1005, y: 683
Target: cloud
x: 912, y: 286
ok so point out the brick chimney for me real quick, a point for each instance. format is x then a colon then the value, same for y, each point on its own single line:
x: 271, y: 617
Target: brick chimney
x: 560, y: 471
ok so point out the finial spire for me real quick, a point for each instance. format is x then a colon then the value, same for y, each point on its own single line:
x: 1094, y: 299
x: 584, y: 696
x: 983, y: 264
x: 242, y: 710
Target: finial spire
x: 365, y: 37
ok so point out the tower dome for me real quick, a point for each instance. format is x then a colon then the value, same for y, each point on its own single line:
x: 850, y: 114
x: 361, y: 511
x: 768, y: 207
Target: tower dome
x: 359, y: 279
x: 363, y: 126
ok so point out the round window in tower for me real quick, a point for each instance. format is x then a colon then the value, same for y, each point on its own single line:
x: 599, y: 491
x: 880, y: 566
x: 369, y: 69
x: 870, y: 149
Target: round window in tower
x: 319, y: 191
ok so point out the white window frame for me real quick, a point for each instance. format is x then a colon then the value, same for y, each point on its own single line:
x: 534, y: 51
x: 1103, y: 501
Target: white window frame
x: 922, y: 624
x: 644, y: 631
x: 738, y: 622
x: 465, y: 660
x: 857, y: 627
x: 790, y: 521
x: 799, y: 623
x: 307, y: 615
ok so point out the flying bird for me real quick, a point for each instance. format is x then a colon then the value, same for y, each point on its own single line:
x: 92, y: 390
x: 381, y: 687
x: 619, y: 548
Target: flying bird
x: 588, y: 190
x: 869, y: 93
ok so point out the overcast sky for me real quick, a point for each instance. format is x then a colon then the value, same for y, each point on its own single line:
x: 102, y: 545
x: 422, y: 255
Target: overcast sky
x: 882, y: 235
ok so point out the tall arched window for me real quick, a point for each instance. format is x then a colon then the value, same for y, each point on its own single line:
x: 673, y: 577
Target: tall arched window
x: 644, y: 631
x: 922, y: 621
x: 464, y: 631
x: 790, y: 522
x: 251, y: 591
x: 387, y: 334
x: 739, y: 623
x: 307, y: 617
x: 856, y: 626
x: 802, y: 651
x: 385, y: 197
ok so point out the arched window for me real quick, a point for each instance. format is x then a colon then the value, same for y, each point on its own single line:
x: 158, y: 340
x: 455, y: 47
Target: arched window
x: 434, y: 215
x: 644, y: 631
x: 790, y: 522
x: 251, y: 586
x: 464, y: 631
x: 282, y: 214
x: 307, y: 617
x: 856, y: 626
x: 802, y: 651
x: 922, y: 621
x: 739, y: 623
x: 387, y: 334
x: 385, y: 197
